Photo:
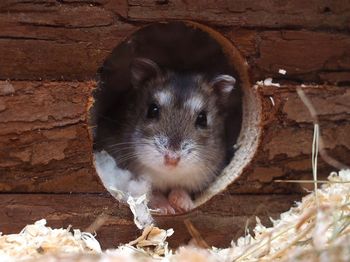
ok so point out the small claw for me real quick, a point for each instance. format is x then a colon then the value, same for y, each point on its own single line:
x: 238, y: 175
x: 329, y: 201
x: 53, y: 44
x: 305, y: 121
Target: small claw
x: 180, y: 200
x: 168, y: 210
x: 161, y: 204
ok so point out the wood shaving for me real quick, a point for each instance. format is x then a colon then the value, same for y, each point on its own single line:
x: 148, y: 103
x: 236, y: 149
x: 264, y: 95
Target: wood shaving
x: 282, y: 71
x: 267, y: 82
x: 153, y: 241
x: 307, y: 232
x: 305, y: 229
x: 38, y: 239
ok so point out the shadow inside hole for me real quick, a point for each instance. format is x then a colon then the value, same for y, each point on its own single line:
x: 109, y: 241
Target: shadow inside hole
x: 174, y: 46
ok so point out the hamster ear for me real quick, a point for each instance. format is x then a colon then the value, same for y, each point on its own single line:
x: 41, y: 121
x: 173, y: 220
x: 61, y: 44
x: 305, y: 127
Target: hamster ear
x: 143, y: 69
x: 223, y: 84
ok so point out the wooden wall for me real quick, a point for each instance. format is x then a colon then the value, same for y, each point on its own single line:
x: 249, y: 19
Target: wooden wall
x: 50, y: 52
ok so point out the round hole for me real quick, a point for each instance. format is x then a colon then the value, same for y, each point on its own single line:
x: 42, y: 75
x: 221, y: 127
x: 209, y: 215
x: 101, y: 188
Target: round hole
x: 326, y: 9
x: 182, y: 47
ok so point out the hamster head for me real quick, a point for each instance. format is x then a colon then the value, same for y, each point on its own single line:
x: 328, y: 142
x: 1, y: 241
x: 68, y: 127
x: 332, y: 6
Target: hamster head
x: 178, y: 125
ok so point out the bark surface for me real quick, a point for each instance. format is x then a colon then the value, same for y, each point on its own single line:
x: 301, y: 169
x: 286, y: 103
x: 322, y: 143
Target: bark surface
x: 51, y: 50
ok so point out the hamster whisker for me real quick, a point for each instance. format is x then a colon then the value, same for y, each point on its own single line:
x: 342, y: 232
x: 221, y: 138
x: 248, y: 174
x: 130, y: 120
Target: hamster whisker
x: 205, y: 169
x: 126, y: 158
x: 115, y: 149
x: 199, y: 158
x: 207, y: 156
x: 104, y: 140
x: 129, y: 143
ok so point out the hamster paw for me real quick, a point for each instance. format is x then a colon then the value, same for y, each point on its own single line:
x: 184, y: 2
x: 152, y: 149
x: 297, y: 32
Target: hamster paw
x: 180, y: 200
x: 161, y: 204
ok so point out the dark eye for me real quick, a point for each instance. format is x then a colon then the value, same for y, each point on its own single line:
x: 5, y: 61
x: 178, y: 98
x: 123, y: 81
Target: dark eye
x: 201, y: 120
x: 153, y: 111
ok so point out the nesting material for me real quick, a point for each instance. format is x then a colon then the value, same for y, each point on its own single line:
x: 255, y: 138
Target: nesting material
x: 316, y: 229
x: 267, y: 82
x: 282, y: 71
x: 123, y: 185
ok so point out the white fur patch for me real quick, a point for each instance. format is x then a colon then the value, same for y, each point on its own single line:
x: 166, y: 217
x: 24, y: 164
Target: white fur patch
x: 195, y: 103
x: 164, y: 97
x: 191, y: 173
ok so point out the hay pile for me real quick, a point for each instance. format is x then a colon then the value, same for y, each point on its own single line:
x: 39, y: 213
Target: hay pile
x: 318, y: 228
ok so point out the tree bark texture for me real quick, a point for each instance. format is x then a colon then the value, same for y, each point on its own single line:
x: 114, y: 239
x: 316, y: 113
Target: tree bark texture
x: 46, y: 146
x: 70, y: 39
x: 218, y: 225
x: 50, y: 52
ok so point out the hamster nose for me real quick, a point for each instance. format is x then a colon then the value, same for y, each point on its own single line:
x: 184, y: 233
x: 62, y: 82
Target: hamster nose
x: 171, y: 159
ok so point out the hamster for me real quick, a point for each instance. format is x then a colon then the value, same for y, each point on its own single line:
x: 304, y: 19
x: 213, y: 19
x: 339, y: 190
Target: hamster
x: 172, y: 132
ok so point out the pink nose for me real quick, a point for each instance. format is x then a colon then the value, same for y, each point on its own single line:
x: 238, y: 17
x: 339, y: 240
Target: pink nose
x: 171, y: 160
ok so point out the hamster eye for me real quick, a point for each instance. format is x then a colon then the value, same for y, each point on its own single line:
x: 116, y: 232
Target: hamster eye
x: 201, y: 120
x: 153, y: 111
